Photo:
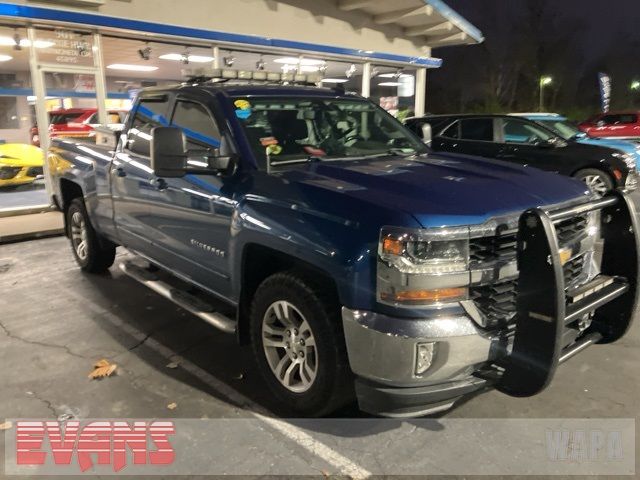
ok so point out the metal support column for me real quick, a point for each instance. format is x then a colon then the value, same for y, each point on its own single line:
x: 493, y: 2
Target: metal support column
x: 101, y: 79
x: 366, y: 80
x: 39, y: 91
x: 421, y: 91
x: 216, y: 57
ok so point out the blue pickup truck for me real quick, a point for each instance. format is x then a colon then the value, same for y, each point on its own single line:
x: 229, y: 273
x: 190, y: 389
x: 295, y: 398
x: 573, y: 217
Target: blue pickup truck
x: 356, y: 262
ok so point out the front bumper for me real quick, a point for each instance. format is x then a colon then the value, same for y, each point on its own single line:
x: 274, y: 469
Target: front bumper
x: 552, y: 324
x: 383, y: 354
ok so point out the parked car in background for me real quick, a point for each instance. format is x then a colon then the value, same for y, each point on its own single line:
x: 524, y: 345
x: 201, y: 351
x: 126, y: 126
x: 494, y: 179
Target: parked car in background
x: 618, y: 125
x: 20, y: 164
x: 77, y: 122
x: 528, y: 143
x: 569, y: 132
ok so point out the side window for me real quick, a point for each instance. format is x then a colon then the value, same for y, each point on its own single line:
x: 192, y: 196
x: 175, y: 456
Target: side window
x: 150, y: 113
x: 479, y: 129
x: 452, y: 131
x: 197, y: 124
x: 628, y: 118
x: 609, y: 119
x: 516, y: 131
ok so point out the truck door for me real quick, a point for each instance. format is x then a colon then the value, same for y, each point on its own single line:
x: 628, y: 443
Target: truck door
x: 190, y: 217
x: 131, y: 173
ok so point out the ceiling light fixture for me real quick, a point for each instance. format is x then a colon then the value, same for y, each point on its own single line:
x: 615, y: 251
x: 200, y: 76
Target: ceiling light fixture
x: 389, y: 84
x: 260, y: 64
x: 179, y: 57
x: 351, y: 71
x: 296, y: 61
x: 334, y: 80
x: 24, y: 42
x: 132, y: 68
x: 5, y: 58
x: 394, y: 75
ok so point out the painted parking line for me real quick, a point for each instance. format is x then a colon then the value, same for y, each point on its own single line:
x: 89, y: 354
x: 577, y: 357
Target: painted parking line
x: 344, y: 465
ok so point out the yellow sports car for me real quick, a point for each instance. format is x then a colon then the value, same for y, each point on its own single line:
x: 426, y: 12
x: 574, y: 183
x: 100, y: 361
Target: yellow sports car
x: 20, y: 164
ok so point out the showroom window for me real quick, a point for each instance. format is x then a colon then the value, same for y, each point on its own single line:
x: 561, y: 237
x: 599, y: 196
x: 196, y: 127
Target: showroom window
x: 394, y: 90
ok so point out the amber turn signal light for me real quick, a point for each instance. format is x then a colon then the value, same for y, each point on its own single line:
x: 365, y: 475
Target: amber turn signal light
x: 427, y: 296
x: 392, y: 246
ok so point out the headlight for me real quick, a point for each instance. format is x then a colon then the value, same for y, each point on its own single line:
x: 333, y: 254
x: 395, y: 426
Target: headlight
x: 627, y: 158
x: 423, y: 267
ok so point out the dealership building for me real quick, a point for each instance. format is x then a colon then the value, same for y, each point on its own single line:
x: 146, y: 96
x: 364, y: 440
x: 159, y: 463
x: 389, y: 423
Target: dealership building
x: 69, y: 65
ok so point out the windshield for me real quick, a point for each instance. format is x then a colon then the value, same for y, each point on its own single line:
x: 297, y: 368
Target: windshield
x: 291, y: 130
x: 562, y: 128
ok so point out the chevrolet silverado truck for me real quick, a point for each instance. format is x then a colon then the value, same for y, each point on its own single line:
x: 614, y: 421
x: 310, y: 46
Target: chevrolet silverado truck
x: 355, y: 261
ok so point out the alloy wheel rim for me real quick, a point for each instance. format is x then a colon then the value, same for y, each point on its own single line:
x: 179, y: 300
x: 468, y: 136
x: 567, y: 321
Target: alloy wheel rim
x: 596, y: 184
x: 289, y: 346
x: 79, y: 235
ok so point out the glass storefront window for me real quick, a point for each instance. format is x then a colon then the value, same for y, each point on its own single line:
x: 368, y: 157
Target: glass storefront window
x: 394, y: 90
x: 21, y: 161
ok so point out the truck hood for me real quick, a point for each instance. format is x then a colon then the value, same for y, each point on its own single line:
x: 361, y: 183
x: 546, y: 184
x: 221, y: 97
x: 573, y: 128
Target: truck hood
x: 439, y: 189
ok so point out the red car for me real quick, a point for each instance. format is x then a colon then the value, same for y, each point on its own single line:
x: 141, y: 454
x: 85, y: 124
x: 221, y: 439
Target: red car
x: 77, y: 122
x: 619, y: 125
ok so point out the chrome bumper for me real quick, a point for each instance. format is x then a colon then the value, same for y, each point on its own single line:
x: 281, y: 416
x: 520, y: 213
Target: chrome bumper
x: 384, y: 349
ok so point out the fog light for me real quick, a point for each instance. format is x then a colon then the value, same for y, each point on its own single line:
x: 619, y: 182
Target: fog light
x: 424, y: 357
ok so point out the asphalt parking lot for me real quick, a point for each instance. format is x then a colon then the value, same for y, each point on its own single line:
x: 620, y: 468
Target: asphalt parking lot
x: 56, y: 322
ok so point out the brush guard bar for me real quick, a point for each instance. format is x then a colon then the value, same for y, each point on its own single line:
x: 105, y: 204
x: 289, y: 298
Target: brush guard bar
x: 545, y: 311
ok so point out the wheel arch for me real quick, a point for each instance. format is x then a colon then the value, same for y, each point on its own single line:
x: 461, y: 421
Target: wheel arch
x: 260, y: 262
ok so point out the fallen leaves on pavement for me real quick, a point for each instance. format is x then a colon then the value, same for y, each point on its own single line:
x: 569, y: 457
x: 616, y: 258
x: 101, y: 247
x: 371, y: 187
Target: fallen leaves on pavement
x: 6, y: 425
x: 172, y: 406
x: 103, y: 369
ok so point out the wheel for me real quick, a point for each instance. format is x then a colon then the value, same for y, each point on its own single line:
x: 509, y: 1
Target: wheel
x: 298, y: 345
x: 92, y: 253
x: 599, y: 182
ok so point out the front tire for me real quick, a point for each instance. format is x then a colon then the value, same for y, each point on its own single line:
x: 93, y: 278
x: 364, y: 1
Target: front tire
x: 599, y: 182
x: 92, y: 253
x: 298, y: 345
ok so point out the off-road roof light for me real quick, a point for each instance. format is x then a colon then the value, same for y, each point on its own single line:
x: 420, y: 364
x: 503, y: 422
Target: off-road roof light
x: 224, y: 74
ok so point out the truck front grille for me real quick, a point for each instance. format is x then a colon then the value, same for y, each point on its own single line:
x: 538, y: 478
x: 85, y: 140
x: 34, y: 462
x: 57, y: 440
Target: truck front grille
x: 497, y: 301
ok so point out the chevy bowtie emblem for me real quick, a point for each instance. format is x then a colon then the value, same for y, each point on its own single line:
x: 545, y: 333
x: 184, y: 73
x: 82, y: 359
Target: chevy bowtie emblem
x: 565, y: 255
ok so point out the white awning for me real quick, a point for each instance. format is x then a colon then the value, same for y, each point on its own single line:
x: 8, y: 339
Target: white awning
x: 431, y: 21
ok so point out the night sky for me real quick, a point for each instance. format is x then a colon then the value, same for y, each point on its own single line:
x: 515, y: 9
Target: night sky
x: 579, y: 39
x: 606, y: 21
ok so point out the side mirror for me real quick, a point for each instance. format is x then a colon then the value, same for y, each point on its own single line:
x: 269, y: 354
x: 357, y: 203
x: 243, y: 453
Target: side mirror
x: 168, y: 152
x: 427, y: 133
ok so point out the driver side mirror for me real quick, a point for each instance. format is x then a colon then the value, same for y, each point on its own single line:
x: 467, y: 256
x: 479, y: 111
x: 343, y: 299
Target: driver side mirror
x: 427, y: 133
x: 171, y: 159
x: 168, y: 152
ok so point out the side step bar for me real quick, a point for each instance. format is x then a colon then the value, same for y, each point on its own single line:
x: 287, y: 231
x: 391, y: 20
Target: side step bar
x: 181, y: 298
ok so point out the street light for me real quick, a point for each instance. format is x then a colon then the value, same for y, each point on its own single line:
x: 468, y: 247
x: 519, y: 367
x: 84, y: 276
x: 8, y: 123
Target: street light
x: 635, y: 85
x: 544, y: 81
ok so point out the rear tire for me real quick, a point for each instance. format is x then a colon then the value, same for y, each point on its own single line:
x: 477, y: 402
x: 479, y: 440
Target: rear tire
x: 92, y: 253
x: 298, y: 344
x: 599, y: 182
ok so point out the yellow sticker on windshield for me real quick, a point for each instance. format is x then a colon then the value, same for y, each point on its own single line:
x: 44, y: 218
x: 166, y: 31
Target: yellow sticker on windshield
x: 274, y: 149
x: 242, y: 104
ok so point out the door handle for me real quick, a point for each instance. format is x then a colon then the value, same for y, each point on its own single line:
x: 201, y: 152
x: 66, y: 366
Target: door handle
x: 120, y: 172
x: 159, y: 183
